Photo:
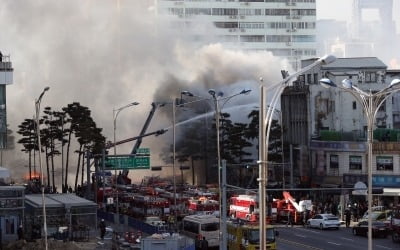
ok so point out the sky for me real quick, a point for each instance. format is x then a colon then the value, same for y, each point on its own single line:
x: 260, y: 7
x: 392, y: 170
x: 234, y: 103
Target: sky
x: 341, y: 10
x: 334, y: 9
x: 106, y: 54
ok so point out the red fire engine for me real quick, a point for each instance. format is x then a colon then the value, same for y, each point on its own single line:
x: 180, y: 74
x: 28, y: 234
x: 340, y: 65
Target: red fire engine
x: 202, y: 205
x: 244, y: 207
x: 289, y: 208
x: 146, y: 205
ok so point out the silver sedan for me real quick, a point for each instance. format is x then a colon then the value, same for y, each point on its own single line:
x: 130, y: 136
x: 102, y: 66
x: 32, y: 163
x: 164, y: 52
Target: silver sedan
x: 324, y: 221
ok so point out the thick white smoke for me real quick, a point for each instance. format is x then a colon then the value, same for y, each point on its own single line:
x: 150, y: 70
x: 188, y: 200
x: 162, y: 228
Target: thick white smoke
x: 106, y: 54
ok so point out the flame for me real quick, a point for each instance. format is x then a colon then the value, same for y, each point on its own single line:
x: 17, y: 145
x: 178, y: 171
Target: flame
x: 34, y: 175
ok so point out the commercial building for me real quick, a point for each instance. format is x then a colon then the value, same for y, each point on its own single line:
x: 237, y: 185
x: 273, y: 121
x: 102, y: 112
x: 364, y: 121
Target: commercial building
x: 284, y: 27
x: 328, y: 128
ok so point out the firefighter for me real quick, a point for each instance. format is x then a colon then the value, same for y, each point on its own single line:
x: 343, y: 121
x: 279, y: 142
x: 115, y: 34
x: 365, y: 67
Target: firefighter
x: 20, y: 232
x: 102, y: 227
x: 347, y: 214
x: 171, y: 221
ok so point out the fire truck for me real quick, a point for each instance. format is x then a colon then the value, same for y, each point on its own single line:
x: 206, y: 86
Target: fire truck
x: 246, y: 236
x: 244, y: 207
x: 288, y: 208
x: 147, y: 205
x: 395, y: 224
x: 202, y: 205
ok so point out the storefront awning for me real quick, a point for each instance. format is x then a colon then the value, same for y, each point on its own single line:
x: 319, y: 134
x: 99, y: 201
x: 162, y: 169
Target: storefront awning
x: 391, y: 192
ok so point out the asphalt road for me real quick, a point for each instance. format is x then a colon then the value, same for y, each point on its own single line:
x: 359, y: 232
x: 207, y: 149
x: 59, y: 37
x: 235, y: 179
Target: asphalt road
x: 298, y: 237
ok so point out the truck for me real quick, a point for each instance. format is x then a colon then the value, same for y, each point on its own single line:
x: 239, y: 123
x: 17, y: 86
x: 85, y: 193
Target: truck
x: 288, y: 207
x: 246, y: 207
x: 395, y: 224
x: 246, y: 236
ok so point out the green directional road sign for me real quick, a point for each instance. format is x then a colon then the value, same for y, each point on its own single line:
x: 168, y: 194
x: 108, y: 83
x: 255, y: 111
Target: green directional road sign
x: 127, y: 162
x: 143, y: 151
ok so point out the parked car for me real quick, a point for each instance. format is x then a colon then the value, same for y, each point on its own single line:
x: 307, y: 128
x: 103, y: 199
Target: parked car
x: 324, y: 221
x: 378, y: 215
x: 379, y: 229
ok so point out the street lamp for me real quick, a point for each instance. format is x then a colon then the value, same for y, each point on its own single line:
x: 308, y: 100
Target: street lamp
x: 222, y: 195
x: 176, y: 103
x: 115, y: 115
x: 265, y: 120
x: 371, y: 103
x: 37, y: 109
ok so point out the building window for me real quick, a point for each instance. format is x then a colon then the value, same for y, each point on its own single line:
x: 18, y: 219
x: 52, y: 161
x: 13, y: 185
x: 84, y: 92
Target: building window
x: 252, y: 39
x: 304, y: 38
x: 316, y: 78
x: 370, y: 77
x: 355, y: 162
x: 309, y: 78
x: 384, y: 163
x: 354, y: 105
x: 334, y: 161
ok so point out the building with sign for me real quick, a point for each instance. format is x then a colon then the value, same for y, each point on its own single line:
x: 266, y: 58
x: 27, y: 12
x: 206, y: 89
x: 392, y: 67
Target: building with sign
x: 329, y: 129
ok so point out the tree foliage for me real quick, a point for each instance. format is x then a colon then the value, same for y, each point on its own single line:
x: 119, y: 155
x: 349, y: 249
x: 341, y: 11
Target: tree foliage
x: 57, y: 129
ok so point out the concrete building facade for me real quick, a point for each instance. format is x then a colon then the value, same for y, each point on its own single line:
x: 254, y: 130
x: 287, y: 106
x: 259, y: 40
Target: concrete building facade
x: 329, y: 127
x: 287, y: 28
x: 6, y: 78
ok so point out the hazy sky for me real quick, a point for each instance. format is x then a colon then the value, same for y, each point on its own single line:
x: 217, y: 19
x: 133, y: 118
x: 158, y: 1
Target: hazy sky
x: 334, y: 9
x: 341, y: 10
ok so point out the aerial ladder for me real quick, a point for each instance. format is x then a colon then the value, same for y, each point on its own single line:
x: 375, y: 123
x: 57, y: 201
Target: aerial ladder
x: 154, y: 106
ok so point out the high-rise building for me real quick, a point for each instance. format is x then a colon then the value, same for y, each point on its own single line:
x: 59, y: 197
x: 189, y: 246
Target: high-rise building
x: 284, y: 27
x: 6, y: 77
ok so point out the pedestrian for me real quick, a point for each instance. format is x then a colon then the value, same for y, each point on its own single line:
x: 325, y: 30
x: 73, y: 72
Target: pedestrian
x: 20, y: 232
x: 102, y: 227
x: 305, y: 217
x: 347, y: 214
x: 204, y: 244
x: 289, y: 219
x: 197, y: 242
x: 355, y: 214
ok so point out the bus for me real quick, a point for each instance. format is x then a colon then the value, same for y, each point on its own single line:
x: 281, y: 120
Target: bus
x: 207, y: 226
x: 246, y: 236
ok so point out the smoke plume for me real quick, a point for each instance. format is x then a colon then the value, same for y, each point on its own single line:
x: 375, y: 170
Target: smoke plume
x: 106, y: 54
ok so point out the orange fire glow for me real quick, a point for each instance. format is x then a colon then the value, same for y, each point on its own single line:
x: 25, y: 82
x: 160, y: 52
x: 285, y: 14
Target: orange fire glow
x: 34, y: 175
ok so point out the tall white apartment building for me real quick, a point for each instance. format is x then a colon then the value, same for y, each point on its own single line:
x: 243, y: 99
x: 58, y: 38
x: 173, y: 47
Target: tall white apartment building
x: 287, y: 28
x: 6, y: 78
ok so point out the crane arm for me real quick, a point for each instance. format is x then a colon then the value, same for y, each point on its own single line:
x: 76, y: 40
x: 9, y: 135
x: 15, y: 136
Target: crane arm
x: 154, y: 106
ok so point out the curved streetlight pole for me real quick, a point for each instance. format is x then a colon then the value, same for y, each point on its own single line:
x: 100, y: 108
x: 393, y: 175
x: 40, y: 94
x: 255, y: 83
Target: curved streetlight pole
x: 115, y: 115
x: 174, y: 154
x: 371, y: 102
x: 265, y: 127
x: 222, y: 183
x: 37, y: 110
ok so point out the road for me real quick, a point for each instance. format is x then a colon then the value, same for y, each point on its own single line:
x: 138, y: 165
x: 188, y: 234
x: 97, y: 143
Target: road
x: 298, y: 237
